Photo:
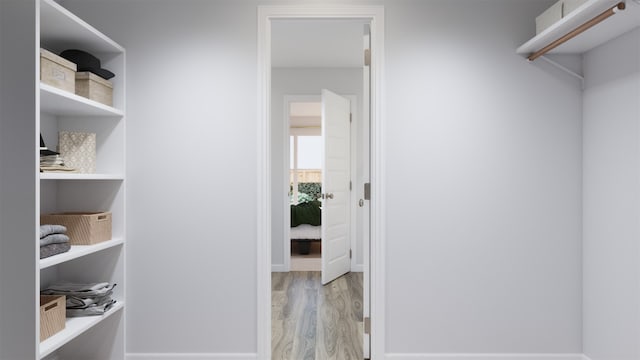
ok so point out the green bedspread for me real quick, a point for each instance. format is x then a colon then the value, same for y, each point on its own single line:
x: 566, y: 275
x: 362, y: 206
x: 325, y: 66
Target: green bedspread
x: 306, y: 213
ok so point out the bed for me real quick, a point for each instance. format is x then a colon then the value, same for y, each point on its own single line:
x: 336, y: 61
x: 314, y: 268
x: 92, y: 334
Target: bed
x: 305, y: 224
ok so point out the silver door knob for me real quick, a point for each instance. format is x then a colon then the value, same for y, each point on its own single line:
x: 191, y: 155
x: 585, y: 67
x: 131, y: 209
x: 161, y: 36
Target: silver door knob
x: 361, y: 203
x: 329, y: 196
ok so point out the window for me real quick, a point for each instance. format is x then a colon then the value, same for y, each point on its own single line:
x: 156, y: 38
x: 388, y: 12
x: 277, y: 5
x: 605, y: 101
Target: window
x: 305, y: 162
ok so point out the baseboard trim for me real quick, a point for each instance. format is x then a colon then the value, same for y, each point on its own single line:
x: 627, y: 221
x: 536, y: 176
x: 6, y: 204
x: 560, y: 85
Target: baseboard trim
x: 585, y: 357
x: 278, y: 268
x: 357, y: 268
x: 192, y: 356
x: 483, y: 356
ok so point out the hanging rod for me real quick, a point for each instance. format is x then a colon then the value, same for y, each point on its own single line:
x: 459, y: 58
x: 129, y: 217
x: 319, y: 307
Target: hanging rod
x: 579, y: 30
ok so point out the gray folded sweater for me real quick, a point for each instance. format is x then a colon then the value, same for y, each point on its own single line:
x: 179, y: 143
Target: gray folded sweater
x: 51, y: 229
x: 54, y: 239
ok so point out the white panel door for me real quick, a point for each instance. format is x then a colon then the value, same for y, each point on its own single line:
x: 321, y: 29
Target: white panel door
x: 336, y: 242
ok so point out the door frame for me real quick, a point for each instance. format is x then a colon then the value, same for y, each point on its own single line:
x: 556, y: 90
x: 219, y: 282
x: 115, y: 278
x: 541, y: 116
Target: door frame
x: 353, y: 144
x: 374, y: 14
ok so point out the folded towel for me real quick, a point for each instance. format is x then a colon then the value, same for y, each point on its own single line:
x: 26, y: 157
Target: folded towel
x: 91, y: 310
x: 77, y: 302
x: 54, y: 239
x: 51, y: 229
x: 53, y: 249
x: 80, y: 290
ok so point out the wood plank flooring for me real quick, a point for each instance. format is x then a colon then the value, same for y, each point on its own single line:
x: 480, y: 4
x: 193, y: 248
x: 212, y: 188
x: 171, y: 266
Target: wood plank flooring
x: 314, y: 322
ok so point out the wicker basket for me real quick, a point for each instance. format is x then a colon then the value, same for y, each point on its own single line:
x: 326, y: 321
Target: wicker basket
x: 82, y: 228
x: 52, y: 315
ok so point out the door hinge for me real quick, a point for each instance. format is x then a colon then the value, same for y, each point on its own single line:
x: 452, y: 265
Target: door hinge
x: 350, y: 185
x: 367, y: 57
x: 367, y: 326
x: 350, y: 117
x: 367, y: 191
x: 350, y: 254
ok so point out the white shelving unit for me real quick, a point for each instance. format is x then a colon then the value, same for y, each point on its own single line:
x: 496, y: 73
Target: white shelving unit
x: 611, y: 28
x: 96, y: 337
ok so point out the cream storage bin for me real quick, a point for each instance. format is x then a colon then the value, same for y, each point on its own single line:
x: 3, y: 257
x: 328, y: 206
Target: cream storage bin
x: 549, y: 17
x: 52, y: 315
x: 82, y: 228
x: 57, y: 71
x: 94, y: 87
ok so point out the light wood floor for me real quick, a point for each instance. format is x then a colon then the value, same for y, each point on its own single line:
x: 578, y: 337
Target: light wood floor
x: 309, y: 262
x: 315, y: 322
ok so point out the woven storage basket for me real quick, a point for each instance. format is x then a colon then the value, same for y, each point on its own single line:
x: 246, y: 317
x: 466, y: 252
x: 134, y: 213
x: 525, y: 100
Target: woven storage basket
x: 52, y: 315
x: 82, y: 228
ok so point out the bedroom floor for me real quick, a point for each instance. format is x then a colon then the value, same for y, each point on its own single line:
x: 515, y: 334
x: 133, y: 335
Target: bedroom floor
x: 310, y: 321
x: 309, y: 262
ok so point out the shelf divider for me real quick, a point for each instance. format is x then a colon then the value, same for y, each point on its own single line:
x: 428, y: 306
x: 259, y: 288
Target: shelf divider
x: 59, y: 102
x: 78, y: 251
x: 76, y: 176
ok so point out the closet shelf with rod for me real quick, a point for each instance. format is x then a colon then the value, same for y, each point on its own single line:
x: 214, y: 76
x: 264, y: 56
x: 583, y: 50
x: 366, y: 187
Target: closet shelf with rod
x: 589, y: 26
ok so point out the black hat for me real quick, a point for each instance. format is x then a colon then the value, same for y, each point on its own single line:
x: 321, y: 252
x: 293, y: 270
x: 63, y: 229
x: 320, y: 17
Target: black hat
x: 87, y: 62
x: 43, y: 149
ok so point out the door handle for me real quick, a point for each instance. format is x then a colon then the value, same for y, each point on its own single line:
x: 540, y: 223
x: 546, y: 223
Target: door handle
x: 327, y: 196
x: 361, y: 203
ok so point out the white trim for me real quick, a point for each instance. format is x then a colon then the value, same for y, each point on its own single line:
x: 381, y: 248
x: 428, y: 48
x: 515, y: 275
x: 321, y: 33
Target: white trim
x: 281, y: 267
x: 483, y: 356
x: 353, y: 172
x: 377, y: 219
x: 376, y: 15
x: 263, y: 198
x: 357, y: 268
x: 199, y: 356
x: 585, y: 357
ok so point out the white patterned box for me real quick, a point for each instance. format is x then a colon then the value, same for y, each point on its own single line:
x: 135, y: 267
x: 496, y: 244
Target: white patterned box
x: 78, y: 150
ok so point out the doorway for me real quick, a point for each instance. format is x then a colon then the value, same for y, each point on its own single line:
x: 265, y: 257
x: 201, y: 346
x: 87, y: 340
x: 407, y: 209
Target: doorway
x: 302, y: 240
x: 373, y: 264
x: 302, y: 230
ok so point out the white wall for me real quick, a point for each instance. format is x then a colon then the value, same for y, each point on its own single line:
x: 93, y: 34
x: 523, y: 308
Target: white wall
x: 18, y: 198
x: 483, y: 184
x: 302, y: 81
x: 191, y: 168
x: 612, y: 200
x: 483, y: 155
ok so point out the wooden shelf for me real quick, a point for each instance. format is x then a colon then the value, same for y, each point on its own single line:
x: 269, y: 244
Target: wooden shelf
x: 73, y: 328
x: 79, y: 251
x: 611, y: 28
x: 61, y: 30
x: 74, y: 176
x: 59, y: 102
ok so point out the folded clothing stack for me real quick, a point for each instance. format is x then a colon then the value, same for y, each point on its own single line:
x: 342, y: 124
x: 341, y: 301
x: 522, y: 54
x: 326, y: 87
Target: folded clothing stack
x: 51, y: 161
x: 84, y: 299
x: 53, y: 240
x: 54, y: 163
